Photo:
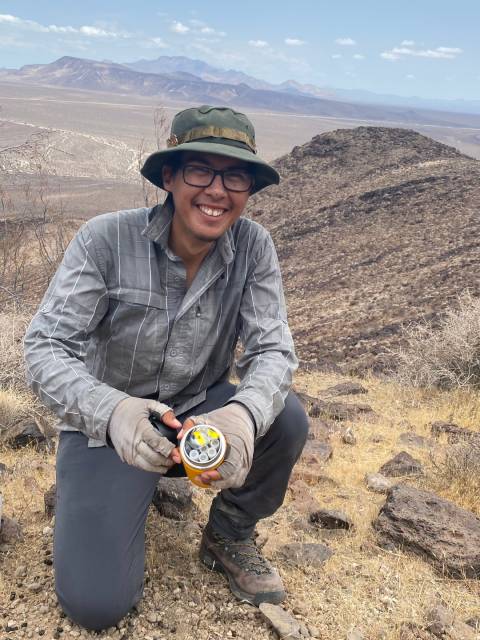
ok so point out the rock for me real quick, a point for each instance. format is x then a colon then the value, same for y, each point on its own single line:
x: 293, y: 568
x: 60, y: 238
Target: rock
x: 3, y: 469
x: 35, y: 587
x: 402, y: 465
x: 49, y: 499
x: 349, y: 437
x: 455, y: 433
x: 437, y: 529
x: 320, y: 430
x: 378, y: 483
x: 21, y: 571
x: 443, y: 624
x: 30, y: 434
x: 303, y: 500
x: 152, y: 617
x: 331, y: 519
x: 314, y: 631
x: 304, y: 398
x: 340, y: 410
x: 414, y: 440
x: 412, y: 631
x: 173, y: 498
x: 345, y: 389
x: 307, y: 553
x: 284, y: 624
x: 355, y: 634
x: 474, y: 622
x: 10, y: 530
x: 321, y: 451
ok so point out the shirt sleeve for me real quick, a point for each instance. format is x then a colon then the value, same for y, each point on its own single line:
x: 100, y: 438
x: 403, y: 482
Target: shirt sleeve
x: 268, y: 362
x: 56, y: 340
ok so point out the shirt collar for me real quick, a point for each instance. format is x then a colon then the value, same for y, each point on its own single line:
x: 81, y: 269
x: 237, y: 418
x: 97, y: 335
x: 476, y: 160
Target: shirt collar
x: 158, y: 230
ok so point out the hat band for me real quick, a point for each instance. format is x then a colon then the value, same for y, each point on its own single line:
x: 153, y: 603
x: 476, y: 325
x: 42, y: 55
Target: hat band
x: 212, y: 132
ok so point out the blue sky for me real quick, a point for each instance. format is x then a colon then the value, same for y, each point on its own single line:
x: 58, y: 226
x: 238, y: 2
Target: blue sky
x: 425, y: 48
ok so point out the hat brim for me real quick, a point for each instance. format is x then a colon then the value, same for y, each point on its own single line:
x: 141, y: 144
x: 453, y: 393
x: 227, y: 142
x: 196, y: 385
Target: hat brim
x: 265, y: 175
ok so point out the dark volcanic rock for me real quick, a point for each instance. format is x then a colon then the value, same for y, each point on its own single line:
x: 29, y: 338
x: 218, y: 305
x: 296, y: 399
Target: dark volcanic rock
x: 345, y: 389
x: 317, y: 451
x: 173, y: 498
x: 402, y: 465
x: 433, y: 527
x: 10, y: 530
x: 340, y: 410
x: 444, y: 624
x: 309, y: 554
x: 31, y: 435
x: 455, y: 433
x: 331, y: 519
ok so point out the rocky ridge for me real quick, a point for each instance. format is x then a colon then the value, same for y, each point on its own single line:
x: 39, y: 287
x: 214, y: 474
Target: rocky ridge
x: 375, y: 228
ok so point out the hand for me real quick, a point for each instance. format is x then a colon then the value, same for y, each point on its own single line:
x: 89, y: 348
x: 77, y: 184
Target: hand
x: 236, y: 424
x: 135, y: 439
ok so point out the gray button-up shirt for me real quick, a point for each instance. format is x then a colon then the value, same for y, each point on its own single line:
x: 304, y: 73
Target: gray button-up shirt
x: 117, y: 320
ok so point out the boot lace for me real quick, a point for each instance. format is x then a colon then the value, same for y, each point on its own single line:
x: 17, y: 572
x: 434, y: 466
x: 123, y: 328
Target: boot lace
x: 245, y: 554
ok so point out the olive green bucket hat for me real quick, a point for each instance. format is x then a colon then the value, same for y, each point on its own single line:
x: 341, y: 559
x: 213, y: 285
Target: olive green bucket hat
x: 217, y: 130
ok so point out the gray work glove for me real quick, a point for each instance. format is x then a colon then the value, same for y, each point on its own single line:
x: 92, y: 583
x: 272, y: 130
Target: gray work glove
x: 236, y: 424
x: 136, y: 440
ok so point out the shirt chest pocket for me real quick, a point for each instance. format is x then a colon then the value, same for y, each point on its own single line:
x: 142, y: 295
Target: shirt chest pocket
x: 136, y: 331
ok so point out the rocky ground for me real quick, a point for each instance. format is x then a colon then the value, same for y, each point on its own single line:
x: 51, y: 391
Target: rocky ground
x: 360, y: 560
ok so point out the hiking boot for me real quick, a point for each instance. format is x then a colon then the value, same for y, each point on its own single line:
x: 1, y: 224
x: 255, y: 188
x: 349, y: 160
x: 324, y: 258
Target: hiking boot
x: 251, y: 576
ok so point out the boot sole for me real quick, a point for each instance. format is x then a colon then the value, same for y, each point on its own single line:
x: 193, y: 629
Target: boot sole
x: 272, y: 597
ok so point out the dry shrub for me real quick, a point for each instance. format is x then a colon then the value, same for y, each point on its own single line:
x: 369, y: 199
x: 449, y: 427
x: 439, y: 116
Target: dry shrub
x: 447, y: 356
x: 457, y: 475
x: 15, y: 407
x: 12, y: 329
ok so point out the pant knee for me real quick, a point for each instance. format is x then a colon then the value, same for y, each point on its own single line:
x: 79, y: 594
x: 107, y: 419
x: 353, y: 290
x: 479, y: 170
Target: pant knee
x: 96, y: 612
x: 292, y: 424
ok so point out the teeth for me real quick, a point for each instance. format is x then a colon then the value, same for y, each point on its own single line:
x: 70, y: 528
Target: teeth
x: 209, y: 211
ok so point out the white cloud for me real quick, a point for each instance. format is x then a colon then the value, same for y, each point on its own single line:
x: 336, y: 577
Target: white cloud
x: 179, y: 27
x: 294, y: 42
x: 407, y: 43
x: 345, y: 42
x: 99, y: 33
x: 86, y: 30
x: 5, y: 17
x: 410, y: 76
x: 453, y: 50
x: 359, y: 56
x: 388, y: 55
x: 337, y: 56
x: 152, y: 43
x: 445, y: 53
x: 260, y: 44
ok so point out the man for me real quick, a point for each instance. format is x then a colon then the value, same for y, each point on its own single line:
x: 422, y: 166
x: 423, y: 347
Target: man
x: 143, y: 317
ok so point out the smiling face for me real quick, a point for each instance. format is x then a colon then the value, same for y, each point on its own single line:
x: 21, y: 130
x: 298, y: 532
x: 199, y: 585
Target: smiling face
x: 203, y: 214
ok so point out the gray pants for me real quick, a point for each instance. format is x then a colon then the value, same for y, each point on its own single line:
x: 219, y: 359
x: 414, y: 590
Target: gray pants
x: 102, y: 506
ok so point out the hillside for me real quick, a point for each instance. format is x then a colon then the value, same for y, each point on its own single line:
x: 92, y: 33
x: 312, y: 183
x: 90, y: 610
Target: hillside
x: 375, y: 228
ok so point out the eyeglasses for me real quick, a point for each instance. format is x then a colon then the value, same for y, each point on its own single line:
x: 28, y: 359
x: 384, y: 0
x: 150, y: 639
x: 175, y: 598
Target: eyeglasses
x: 237, y: 180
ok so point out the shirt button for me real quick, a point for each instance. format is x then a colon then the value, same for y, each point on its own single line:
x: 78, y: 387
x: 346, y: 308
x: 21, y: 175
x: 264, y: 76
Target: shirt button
x: 173, y: 353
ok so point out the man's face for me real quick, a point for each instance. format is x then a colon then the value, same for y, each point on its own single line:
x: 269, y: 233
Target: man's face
x: 204, y: 213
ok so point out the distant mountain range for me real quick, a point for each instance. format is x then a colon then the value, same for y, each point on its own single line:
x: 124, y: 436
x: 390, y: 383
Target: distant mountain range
x: 180, y: 84
x: 175, y: 64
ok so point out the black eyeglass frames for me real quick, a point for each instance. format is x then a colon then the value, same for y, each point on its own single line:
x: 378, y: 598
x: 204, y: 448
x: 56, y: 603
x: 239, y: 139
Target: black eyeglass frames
x: 238, y: 180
